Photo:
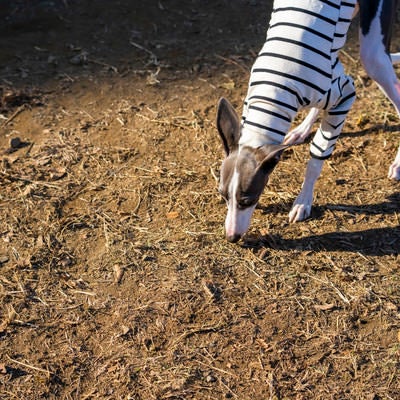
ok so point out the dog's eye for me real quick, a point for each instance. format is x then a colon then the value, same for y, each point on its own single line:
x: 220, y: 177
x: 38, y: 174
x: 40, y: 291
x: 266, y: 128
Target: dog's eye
x: 245, y: 202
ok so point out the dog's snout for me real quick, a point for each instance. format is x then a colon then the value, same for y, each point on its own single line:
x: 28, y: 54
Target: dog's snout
x: 233, y: 238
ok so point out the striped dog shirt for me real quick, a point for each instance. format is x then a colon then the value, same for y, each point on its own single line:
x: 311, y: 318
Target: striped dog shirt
x: 298, y: 67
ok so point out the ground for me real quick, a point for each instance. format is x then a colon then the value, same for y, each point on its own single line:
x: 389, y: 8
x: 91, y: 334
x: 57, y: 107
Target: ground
x: 116, y: 281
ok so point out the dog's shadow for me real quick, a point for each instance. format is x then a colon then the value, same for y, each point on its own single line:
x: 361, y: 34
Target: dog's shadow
x: 372, y: 130
x: 374, y: 242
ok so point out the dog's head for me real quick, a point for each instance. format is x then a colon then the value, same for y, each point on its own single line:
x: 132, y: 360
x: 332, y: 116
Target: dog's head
x: 244, y: 172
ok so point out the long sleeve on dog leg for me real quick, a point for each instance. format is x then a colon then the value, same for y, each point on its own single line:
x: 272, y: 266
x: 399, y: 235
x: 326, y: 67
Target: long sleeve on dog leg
x: 325, y: 139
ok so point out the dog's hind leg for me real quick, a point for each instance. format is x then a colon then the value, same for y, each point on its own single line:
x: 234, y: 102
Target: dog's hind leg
x: 376, y: 21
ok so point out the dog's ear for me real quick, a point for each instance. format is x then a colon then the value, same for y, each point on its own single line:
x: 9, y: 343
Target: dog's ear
x: 269, y: 155
x: 228, y: 126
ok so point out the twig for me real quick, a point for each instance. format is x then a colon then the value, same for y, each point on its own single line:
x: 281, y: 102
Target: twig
x: 353, y: 60
x: 230, y: 61
x: 214, y: 175
x: 17, y: 111
x: 83, y: 292
x: 340, y: 294
x: 270, y: 382
x: 326, y: 282
x: 200, y: 233
x: 253, y: 270
x: 106, y: 235
x: 26, y: 180
x: 193, y: 331
x: 358, y: 158
x: 103, y: 64
x: 31, y: 366
x: 153, y: 56
x: 228, y: 388
x: 164, y: 121
x: 29, y: 149
x: 361, y: 81
x: 216, y: 368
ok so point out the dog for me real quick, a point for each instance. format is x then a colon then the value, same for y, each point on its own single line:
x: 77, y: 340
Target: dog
x: 297, y: 68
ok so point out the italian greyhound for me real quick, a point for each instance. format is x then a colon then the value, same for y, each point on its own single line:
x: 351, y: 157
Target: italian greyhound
x: 298, y: 68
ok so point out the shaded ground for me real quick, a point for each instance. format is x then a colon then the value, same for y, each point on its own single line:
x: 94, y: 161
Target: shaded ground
x: 115, y: 279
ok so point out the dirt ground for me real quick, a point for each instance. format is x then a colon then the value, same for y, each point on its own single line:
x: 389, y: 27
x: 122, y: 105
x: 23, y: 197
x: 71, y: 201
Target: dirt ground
x: 115, y: 279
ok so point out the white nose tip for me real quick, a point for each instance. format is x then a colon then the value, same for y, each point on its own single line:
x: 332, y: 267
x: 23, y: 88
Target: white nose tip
x: 233, y: 238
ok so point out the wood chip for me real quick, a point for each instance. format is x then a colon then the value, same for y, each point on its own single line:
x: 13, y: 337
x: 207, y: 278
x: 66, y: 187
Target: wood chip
x: 324, y: 307
x: 118, y: 273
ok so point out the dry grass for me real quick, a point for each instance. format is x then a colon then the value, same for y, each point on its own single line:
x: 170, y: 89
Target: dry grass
x: 115, y: 279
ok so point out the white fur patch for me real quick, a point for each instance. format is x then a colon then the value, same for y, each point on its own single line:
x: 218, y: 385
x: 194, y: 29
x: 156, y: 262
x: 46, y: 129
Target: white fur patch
x: 237, y: 220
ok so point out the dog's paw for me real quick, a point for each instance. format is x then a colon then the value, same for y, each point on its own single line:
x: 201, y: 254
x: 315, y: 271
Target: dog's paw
x: 299, y: 212
x: 296, y: 136
x: 394, y: 171
x: 300, y: 133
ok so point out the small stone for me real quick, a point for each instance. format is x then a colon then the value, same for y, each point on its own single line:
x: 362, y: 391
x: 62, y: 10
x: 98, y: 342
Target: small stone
x: 52, y: 60
x: 66, y: 262
x: 125, y: 330
x: 15, y: 142
x: 210, y: 378
x: 3, y: 369
x: 3, y: 259
x: 79, y: 59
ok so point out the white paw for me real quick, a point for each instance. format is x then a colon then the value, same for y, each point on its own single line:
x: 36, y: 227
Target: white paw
x: 394, y: 171
x: 295, y: 137
x: 299, y: 212
x: 300, y: 133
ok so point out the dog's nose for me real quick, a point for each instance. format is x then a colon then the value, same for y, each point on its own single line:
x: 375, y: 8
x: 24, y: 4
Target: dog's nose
x: 233, y: 238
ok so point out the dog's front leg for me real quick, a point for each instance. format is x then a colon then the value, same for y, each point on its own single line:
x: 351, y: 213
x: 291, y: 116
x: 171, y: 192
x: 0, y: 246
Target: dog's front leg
x: 301, y: 132
x: 322, y: 146
x: 302, y: 206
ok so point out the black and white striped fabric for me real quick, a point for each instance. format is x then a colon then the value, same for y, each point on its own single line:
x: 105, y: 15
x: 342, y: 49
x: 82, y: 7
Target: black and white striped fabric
x: 298, y: 67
